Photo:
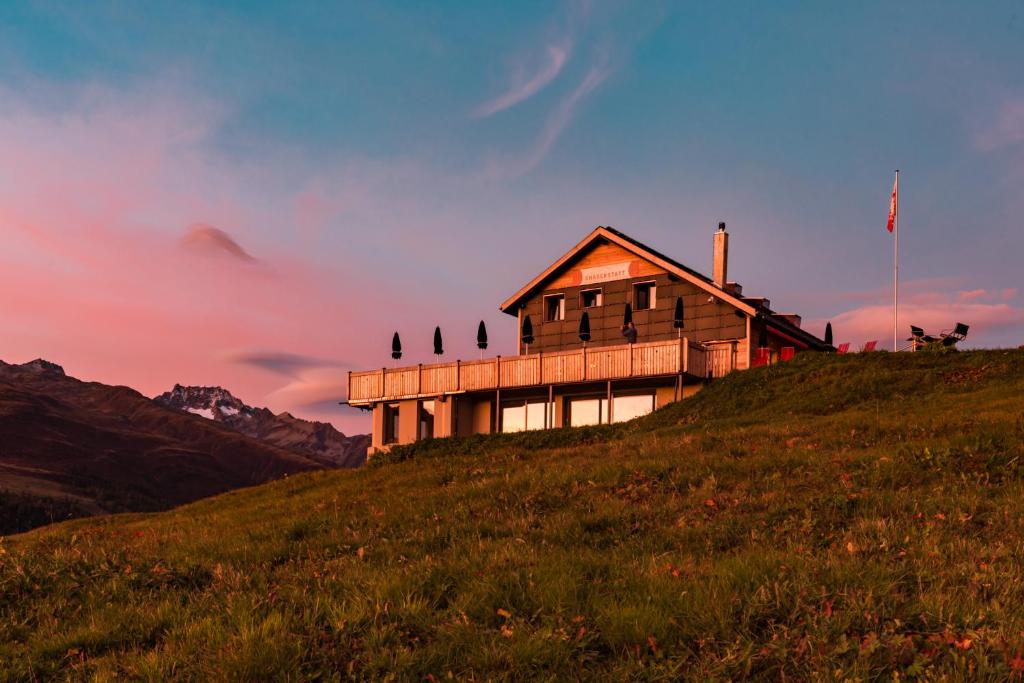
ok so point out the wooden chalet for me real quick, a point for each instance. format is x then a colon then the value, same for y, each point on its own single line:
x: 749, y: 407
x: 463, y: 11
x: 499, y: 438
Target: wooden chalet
x: 558, y: 380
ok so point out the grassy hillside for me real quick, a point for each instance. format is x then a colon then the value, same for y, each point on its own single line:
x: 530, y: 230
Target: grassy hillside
x: 832, y: 517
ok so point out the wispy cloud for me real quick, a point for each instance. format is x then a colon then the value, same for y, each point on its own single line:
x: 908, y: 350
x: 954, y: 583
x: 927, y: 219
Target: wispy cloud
x: 522, y: 87
x: 554, y: 126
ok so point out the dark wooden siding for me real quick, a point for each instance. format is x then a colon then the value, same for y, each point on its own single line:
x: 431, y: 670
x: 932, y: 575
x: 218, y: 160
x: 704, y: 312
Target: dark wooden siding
x: 704, y: 321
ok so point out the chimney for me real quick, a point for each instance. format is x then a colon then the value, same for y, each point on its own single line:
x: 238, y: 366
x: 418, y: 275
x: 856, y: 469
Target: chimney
x: 721, y: 256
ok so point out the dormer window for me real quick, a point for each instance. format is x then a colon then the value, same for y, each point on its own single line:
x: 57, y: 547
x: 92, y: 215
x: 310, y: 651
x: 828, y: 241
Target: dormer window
x: 591, y: 298
x: 644, y: 296
x: 554, y: 307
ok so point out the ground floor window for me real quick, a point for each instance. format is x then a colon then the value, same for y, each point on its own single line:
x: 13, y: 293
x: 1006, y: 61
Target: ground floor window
x: 593, y: 410
x: 625, y: 408
x: 391, y: 423
x: 587, y: 411
x: 521, y: 416
x: 426, y: 419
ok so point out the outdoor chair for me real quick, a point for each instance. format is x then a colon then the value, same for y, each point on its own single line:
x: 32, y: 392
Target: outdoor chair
x: 762, y: 357
x: 870, y: 346
x: 787, y: 353
x: 843, y: 348
x: 918, y: 338
x: 959, y: 333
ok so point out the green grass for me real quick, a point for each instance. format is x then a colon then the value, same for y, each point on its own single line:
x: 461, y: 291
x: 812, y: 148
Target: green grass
x: 857, y: 517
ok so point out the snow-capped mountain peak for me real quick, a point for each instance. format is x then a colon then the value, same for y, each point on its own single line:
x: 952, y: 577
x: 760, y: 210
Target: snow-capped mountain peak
x: 318, y: 440
x: 213, y: 403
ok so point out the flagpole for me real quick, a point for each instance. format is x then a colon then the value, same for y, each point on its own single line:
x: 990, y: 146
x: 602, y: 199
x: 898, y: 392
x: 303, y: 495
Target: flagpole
x: 896, y: 270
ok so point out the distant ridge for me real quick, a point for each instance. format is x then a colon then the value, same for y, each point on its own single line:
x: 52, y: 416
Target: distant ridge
x: 70, y: 448
x: 317, y: 440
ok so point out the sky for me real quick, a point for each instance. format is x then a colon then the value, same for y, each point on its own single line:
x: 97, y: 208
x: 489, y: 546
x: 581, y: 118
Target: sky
x: 258, y: 195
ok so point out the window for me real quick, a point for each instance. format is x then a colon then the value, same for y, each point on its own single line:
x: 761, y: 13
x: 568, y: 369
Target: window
x: 391, y: 423
x: 519, y: 416
x: 590, y: 298
x: 644, y: 296
x: 554, y: 307
x: 588, y: 411
x: 426, y: 419
x: 625, y: 408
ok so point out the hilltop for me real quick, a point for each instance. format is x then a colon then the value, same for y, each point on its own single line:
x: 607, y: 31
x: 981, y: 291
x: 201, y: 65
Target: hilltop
x: 834, y: 516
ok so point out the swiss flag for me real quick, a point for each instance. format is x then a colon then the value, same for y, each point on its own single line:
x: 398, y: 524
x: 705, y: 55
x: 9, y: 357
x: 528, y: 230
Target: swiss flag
x: 892, y: 204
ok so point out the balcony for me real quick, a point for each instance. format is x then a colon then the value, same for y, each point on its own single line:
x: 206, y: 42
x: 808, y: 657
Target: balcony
x: 603, y: 363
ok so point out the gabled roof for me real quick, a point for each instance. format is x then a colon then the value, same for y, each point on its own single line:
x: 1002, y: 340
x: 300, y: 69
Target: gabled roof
x: 613, y: 236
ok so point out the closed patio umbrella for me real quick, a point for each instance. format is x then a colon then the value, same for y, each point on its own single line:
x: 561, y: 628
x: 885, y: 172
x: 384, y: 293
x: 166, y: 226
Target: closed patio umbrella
x: 677, y: 319
x: 527, y: 335
x: 585, y: 327
x: 438, y: 345
x: 481, y: 336
x: 627, y: 316
x: 828, y: 333
x: 396, y: 347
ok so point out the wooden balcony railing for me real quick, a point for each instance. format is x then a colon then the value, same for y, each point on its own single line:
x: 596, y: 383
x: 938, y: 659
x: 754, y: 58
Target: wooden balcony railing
x: 649, y: 359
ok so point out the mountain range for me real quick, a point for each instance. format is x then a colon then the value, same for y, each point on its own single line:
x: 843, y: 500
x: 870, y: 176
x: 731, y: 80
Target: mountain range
x: 70, y: 448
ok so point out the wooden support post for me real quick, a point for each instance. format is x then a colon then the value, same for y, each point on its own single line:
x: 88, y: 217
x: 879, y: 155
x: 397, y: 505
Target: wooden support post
x: 549, y: 420
x: 383, y: 384
x: 497, y: 371
x: 453, y: 415
x: 584, y: 363
x: 610, y: 416
x: 419, y: 379
x: 458, y: 375
x: 497, y: 411
x: 684, y: 365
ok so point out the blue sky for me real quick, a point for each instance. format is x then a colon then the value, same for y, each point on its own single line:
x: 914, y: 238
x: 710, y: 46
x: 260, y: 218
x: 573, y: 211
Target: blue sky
x: 424, y: 161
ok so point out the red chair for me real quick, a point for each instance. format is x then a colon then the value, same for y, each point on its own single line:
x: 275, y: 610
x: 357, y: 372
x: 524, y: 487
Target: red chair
x: 787, y: 353
x: 762, y: 356
x: 843, y: 348
x: 870, y: 346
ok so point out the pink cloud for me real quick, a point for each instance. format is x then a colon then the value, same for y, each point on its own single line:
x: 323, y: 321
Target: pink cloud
x: 974, y: 295
x: 933, y: 311
x: 97, y: 279
x: 207, y: 239
x: 1007, y: 294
